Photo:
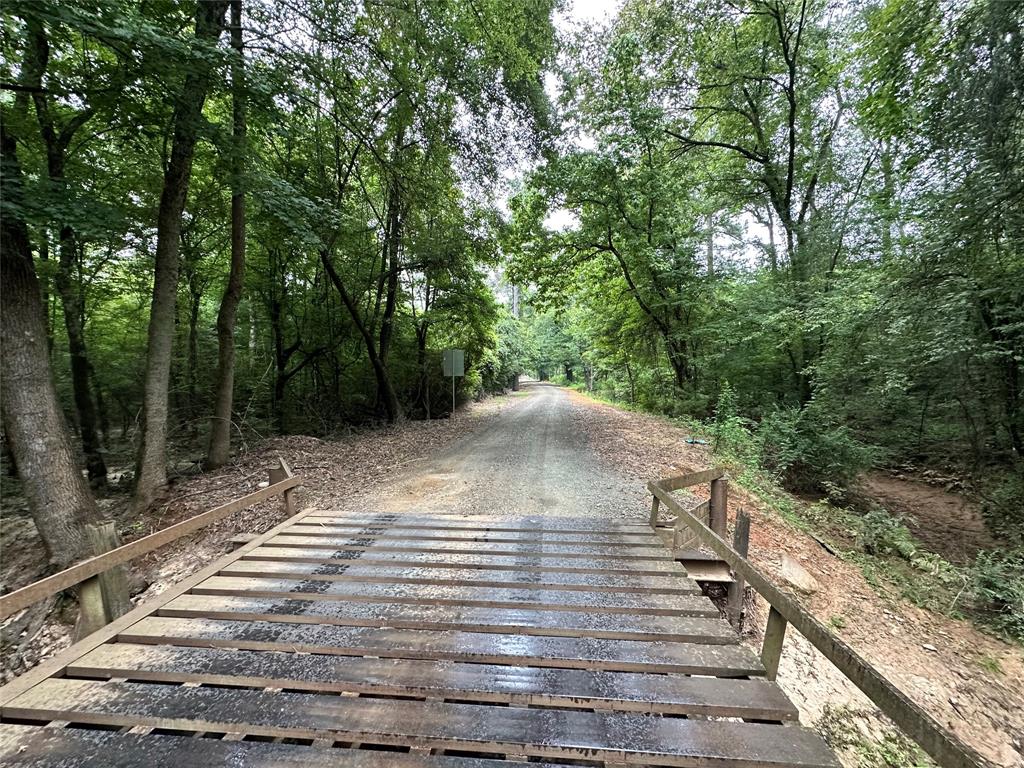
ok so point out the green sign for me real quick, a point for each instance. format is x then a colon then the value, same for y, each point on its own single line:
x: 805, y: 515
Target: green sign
x: 454, y: 362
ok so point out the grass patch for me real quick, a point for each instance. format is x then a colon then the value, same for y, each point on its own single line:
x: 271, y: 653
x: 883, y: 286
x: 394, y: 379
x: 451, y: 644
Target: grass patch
x: 991, y: 665
x: 872, y: 743
x: 837, y: 622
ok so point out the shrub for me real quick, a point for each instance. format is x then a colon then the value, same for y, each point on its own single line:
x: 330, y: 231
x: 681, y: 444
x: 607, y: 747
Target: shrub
x: 883, y: 535
x: 730, y: 432
x: 997, y: 581
x: 1004, y: 507
x: 806, y: 452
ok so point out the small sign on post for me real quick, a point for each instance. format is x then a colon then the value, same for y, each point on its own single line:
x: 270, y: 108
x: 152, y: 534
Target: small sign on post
x: 453, y: 362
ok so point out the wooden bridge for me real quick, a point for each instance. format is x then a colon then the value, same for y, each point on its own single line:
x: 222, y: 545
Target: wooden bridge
x: 371, y: 640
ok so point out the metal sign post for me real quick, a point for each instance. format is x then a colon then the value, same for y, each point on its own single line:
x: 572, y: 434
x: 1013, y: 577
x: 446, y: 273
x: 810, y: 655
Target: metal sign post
x: 453, y: 362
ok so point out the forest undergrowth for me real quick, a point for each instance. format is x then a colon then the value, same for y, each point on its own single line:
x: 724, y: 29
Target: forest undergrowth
x: 988, y: 589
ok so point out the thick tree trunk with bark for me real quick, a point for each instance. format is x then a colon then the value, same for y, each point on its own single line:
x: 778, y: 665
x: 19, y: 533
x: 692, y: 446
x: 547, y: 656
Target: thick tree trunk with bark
x: 151, y: 473
x: 219, y: 449
x: 56, y: 491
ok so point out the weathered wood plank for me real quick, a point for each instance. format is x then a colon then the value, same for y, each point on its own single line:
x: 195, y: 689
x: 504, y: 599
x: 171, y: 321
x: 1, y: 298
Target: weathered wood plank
x: 55, y: 665
x: 627, y: 737
x: 465, y: 577
x: 525, y: 550
x: 525, y: 685
x: 327, y: 526
x: 606, y: 565
x: 472, y: 619
x: 691, y: 479
x: 483, y: 597
x: 30, y: 746
x: 452, y: 645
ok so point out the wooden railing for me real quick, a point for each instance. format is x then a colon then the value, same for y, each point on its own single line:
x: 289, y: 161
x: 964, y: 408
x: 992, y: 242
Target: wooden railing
x: 103, y: 591
x: 942, y: 745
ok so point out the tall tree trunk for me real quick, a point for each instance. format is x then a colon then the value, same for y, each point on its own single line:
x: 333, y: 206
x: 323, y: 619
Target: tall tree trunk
x: 392, y: 407
x: 195, y: 301
x: 423, y: 388
x: 710, y: 245
x: 58, y: 497
x: 44, y: 255
x: 74, y: 321
x: 151, y: 472
x: 392, y: 244
x: 888, y: 202
x: 219, y: 448
x: 56, y: 140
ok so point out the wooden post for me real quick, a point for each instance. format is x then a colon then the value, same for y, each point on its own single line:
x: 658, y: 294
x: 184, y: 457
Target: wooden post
x: 92, y: 616
x: 279, y: 473
x: 654, y: 511
x: 771, y: 650
x: 718, y: 515
x: 738, y: 588
x: 114, y: 581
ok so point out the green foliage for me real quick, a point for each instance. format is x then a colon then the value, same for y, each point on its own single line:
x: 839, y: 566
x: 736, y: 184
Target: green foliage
x: 375, y: 135
x: 846, y: 730
x: 997, y: 583
x: 1003, y: 505
x: 792, y: 446
x: 818, y: 252
x: 990, y: 590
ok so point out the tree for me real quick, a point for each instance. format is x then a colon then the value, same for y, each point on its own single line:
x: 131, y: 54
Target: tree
x: 220, y: 425
x: 58, y: 497
x: 57, y: 134
x: 151, y: 473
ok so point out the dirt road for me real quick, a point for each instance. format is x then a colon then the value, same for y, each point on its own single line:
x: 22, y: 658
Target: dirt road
x: 532, y: 458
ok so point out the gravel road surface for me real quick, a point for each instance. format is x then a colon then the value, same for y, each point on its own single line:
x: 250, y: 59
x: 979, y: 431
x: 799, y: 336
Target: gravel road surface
x: 533, y: 458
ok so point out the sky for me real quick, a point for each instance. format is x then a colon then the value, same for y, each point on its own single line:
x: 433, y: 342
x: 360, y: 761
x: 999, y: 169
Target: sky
x: 588, y: 10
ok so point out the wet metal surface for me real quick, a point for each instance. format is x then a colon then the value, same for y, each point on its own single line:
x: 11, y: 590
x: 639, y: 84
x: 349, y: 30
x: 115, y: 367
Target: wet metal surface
x: 488, y: 577
x: 653, y: 656
x: 545, y: 733
x: 440, y: 594
x: 517, y: 644
x: 411, y: 616
x: 23, y: 746
x: 574, y: 688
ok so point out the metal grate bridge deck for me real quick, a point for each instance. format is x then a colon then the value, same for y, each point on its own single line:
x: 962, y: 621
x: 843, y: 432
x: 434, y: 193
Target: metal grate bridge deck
x: 363, y: 640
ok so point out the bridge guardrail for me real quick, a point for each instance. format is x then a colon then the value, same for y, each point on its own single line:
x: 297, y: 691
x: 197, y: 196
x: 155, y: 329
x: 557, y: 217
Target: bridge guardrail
x: 941, y: 744
x: 103, y: 593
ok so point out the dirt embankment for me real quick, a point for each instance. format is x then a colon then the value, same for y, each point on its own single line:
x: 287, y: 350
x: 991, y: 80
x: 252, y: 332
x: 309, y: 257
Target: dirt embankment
x: 946, y: 522
x: 970, y: 682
